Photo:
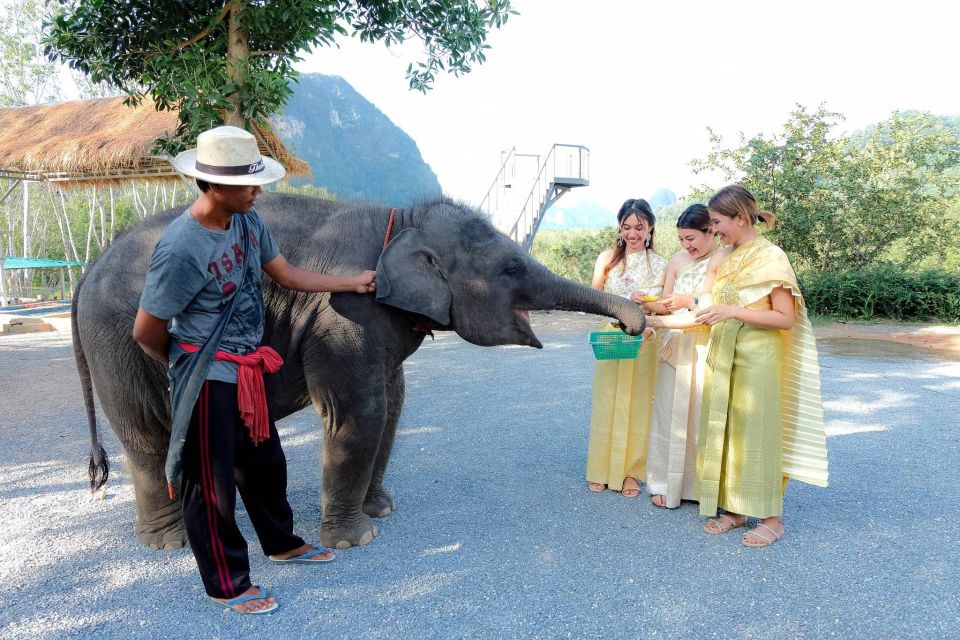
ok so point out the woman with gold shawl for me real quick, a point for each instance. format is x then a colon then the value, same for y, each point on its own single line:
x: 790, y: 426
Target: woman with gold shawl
x: 762, y: 416
x: 623, y: 389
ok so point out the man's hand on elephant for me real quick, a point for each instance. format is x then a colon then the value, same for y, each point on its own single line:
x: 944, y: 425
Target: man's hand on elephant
x: 367, y: 282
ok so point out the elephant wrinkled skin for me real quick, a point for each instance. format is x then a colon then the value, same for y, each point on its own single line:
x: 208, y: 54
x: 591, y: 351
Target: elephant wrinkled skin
x: 446, y: 268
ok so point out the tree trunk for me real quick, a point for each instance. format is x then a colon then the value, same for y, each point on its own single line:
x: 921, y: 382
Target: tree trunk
x: 111, y: 213
x: 102, y: 238
x: 66, y: 221
x: 138, y: 205
x: 27, y: 273
x: 237, y: 50
x: 63, y: 234
x: 91, y: 228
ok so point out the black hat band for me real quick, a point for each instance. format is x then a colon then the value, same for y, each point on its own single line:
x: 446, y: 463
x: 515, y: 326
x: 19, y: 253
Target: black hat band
x: 237, y: 170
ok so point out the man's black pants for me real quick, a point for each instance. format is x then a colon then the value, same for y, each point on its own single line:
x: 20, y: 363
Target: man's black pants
x: 218, y: 459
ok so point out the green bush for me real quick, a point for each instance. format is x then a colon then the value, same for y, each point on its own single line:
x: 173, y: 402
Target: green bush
x: 572, y: 254
x: 883, y: 292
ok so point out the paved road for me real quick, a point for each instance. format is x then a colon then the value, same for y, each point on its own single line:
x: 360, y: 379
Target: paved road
x: 496, y: 535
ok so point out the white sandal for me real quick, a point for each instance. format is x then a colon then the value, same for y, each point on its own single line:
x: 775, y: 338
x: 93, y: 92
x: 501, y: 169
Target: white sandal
x: 766, y: 541
x: 718, y: 523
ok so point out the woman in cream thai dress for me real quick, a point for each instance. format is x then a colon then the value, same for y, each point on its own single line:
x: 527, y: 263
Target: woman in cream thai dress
x: 623, y: 389
x: 671, y: 463
x: 762, y: 415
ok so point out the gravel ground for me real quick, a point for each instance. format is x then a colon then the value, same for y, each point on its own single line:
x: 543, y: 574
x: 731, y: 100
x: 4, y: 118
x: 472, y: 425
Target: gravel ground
x: 495, y: 535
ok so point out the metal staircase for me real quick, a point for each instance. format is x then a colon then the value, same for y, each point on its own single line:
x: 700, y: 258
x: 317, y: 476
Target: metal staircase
x: 565, y: 167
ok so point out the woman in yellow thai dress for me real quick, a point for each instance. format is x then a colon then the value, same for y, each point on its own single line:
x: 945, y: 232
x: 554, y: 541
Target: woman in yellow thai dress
x: 623, y: 389
x: 671, y: 463
x: 762, y: 415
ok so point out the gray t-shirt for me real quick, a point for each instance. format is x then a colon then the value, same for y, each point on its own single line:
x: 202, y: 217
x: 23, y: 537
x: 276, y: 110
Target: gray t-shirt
x: 194, y: 273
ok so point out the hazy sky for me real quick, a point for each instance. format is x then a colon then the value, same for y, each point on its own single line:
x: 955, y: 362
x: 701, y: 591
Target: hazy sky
x: 639, y: 82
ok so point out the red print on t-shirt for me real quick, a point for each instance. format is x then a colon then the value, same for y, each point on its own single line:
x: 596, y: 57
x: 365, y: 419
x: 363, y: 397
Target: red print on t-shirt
x: 228, y: 264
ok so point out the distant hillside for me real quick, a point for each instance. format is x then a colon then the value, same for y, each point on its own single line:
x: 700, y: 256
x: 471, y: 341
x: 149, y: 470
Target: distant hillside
x: 354, y: 150
x: 662, y: 198
x: 582, y: 215
x: 590, y: 215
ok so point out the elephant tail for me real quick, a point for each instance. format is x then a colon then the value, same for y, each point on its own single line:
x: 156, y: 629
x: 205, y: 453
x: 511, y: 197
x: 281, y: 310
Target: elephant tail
x: 99, y: 469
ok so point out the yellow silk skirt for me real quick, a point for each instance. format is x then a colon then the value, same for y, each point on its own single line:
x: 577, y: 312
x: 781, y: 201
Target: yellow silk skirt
x: 620, y: 420
x: 740, y: 446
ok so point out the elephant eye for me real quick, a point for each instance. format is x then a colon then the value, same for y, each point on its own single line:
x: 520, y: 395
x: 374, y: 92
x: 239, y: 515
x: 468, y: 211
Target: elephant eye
x: 512, y: 267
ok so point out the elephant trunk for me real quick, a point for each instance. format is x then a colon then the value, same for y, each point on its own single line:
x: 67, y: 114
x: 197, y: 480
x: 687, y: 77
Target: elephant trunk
x: 555, y: 292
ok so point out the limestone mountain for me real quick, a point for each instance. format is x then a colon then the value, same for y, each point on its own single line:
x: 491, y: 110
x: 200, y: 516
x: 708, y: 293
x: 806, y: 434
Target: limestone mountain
x: 354, y: 150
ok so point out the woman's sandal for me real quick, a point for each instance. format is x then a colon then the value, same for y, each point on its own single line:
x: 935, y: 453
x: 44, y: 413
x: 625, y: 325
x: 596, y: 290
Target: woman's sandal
x: 659, y: 501
x: 718, y: 526
x: 596, y: 487
x: 631, y: 492
x: 766, y: 542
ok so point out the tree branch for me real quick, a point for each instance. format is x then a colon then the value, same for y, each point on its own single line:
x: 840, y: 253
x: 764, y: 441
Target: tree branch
x: 205, y: 32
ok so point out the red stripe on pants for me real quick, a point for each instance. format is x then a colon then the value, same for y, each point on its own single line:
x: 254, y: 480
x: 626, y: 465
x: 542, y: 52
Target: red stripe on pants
x: 210, y: 495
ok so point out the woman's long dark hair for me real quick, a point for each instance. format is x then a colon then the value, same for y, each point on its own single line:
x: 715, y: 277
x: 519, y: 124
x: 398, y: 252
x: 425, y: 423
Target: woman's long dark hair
x: 640, y: 208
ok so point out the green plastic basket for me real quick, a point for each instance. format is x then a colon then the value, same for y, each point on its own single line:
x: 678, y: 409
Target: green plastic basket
x: 614, y: 345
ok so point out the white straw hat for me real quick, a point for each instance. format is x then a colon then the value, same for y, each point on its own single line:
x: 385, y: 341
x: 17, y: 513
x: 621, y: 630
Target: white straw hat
x: 228, y: 155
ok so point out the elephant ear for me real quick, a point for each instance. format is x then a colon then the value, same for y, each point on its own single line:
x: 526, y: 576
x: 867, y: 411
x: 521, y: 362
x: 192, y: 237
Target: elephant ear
x: 409, y: 277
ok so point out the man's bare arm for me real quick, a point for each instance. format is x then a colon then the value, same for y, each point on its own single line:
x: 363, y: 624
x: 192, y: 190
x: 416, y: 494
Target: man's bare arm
x: 291, y: 277
x: 151, y: 334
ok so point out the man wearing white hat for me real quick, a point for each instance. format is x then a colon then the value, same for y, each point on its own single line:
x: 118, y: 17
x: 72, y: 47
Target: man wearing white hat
x: 201, y: 312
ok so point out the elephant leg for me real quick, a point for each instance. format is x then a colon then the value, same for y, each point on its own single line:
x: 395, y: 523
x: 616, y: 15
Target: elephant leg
x: 136, y: 409
x: 378, y: 502
x: 159, y: 519
x: 355, y: 414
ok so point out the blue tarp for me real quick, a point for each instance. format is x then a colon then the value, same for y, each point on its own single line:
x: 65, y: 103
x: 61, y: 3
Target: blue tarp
x: 12, y: 262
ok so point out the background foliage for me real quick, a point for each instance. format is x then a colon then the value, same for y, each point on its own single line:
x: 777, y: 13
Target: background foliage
x: 216, y: 60
x: 888, y: 195
x: 883, y: 292
x: 869, y: 219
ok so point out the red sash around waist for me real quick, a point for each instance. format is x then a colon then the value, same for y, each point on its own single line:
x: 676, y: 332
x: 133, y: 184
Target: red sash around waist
x: 251, y: 393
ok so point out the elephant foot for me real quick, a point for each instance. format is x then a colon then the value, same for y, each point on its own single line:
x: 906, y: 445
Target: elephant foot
x: 343, y: 534
x: 378, y: 504
x: 168, y: 539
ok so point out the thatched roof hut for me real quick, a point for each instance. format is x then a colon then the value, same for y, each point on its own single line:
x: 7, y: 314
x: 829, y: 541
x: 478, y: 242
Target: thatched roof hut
x: 95, y: 141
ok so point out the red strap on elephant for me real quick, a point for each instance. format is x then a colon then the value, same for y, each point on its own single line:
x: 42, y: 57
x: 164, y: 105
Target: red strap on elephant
x: 251, y: 393
x: 386, y: 238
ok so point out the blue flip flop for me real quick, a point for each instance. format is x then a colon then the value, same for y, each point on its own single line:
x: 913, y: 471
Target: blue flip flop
x: 263, y: 595
x: 305, y: 558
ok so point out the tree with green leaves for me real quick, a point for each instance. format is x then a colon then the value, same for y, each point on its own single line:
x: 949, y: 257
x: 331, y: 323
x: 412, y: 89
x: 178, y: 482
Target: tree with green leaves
x: 26, y: 75
x: 231, y: 61
x: 889, y: 198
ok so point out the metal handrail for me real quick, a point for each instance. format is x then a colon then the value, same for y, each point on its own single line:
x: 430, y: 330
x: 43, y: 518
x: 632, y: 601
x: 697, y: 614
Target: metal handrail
x: 500, y: 179
x: 541, y: 188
